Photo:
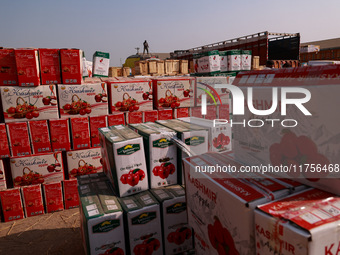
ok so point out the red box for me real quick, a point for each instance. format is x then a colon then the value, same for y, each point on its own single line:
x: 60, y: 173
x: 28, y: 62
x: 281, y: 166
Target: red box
x: 40, y: 137
x: 4, y: 146
x: 196, y: 112
x: 8, y: 68
x: 71, y: 196
x: 80, y: 131
x: 3, y: 185
x: 60, y: 135
x: 211, y: 112
x: 134, y: 117
x: 116, y: 119
x: 11, y: 204
x: 165, y: 114
x: 150, y: 116
x: 95, y: 123
x: 33, y: 201
x: 27, y: 62
x: 18, y: 138
x: 224, y: 112
x: 53, y: 195
x: 181, y: 113
x: 50, y: 66
x: 71, y: 66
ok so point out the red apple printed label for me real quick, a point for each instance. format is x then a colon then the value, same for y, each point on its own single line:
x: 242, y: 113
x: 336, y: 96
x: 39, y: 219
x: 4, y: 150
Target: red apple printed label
x: 11, y: 204
x: 95, y: 123
x: 27, y: 62
x: 60, y: 135
x: 19, y: 138
x: 33, y: 200
x: 53, y: 197
x: 50, y: 66
x: 40, y: 138
x: 80, y: 133
x: 71, y: 66
x: 71, y: 197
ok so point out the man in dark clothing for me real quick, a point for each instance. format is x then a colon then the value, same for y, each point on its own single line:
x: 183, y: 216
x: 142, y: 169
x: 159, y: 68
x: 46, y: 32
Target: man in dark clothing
x: 146, y: 47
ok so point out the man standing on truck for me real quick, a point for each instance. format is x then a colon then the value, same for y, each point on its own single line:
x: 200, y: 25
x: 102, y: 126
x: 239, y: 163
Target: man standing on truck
x: 146, y: 47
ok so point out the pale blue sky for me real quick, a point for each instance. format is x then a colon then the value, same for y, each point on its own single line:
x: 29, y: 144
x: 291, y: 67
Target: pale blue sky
x: 120, y: 26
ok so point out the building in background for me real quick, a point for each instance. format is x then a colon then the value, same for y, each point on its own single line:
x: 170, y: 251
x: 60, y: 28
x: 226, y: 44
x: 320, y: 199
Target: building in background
x: 320, y: 50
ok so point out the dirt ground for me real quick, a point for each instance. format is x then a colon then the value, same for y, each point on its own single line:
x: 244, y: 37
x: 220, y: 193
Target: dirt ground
x: 53, y: 233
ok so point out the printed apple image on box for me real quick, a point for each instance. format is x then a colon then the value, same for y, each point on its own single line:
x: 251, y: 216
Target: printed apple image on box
x: 85, y: 99
x: 8, y: 68
x: 18, y: 138
x: 134, y: 117
x: 71, y: 196
x: 101, y: 64
x: 50, y: 66
x: 214, y: 95
x: 181, y: 113
x: 80, y: 133
x: 150, y: 116
x: 125, y: 159
x: 101, y: 220
x: 60, y: 134
x: 130, y: 95
x: 53, y: 197
x: 4, y: 146
x: 207, y: 62
x: 40, y: 137
x: 246, y: 60
x: 27, y: 62
x: 177, y: 234
x: 23, y: 104
x: 223, y: 61
x: 3, y: 185
x: 116, y: 119
x: 165, y: 114
x: 82, y: 162
x: 33, y: 200
x: 225, y: 221
x: 234, y: 60
x: 310, y: 141
x: 160, y: 153
x: 219, y: 135
x: 37, y: 169
x: 11, y: 204
x: 303, y: 223
x: 95, y: 123
x: 71, y: 66
x: 143, y: 224
x: 173, y: 92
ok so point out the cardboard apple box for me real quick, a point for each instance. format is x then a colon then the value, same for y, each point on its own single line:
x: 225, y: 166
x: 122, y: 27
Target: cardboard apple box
x: 143, y: 223
x: 37, y: 169
x: 196, y: 112
x: 101, y: 64
x: 211, y: 112
x: 173, y: 92
x: 181, y: 113
x: 165, y: 114
x: 221, y: 208
x: 95, y: 123
x: 4, y: 146
x: 133, y: 117
x: 129, y: 95
x: 71, y: 66
x: 33, y: 200
x: 101, y: 219
x: 39, y: 136
x: 24, y: 104
x: 223, y: 112
x: 27, y: 62
x: 82, y: 162
x: 116, y: 119
x: 160, y: 153
x: 80, y: 133
x: 124, y: 158
x: 71, y: 196
x: 304, y: 140
x: 304, y: 223
x: 60, y: 134
x: 53, y: 197
x: 3, y: 185
x: 150, y: 116
x: 50, y: 66
x: 85, y: 99
x: 18, y: 137
x: 8, y: 68
x: 177, y: 234
x: 11, y: 204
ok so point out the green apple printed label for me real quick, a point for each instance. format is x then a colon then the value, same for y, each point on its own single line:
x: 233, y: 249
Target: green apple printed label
x: 176, y: 208
x: 128, y: 149
x: 144, y: 218
x: 194, y: 141
x: 161, y: 143
x: 105, y: 226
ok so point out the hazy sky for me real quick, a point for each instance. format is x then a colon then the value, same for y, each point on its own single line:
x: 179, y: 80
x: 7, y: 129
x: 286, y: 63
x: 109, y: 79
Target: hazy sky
x: 120, y: 26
